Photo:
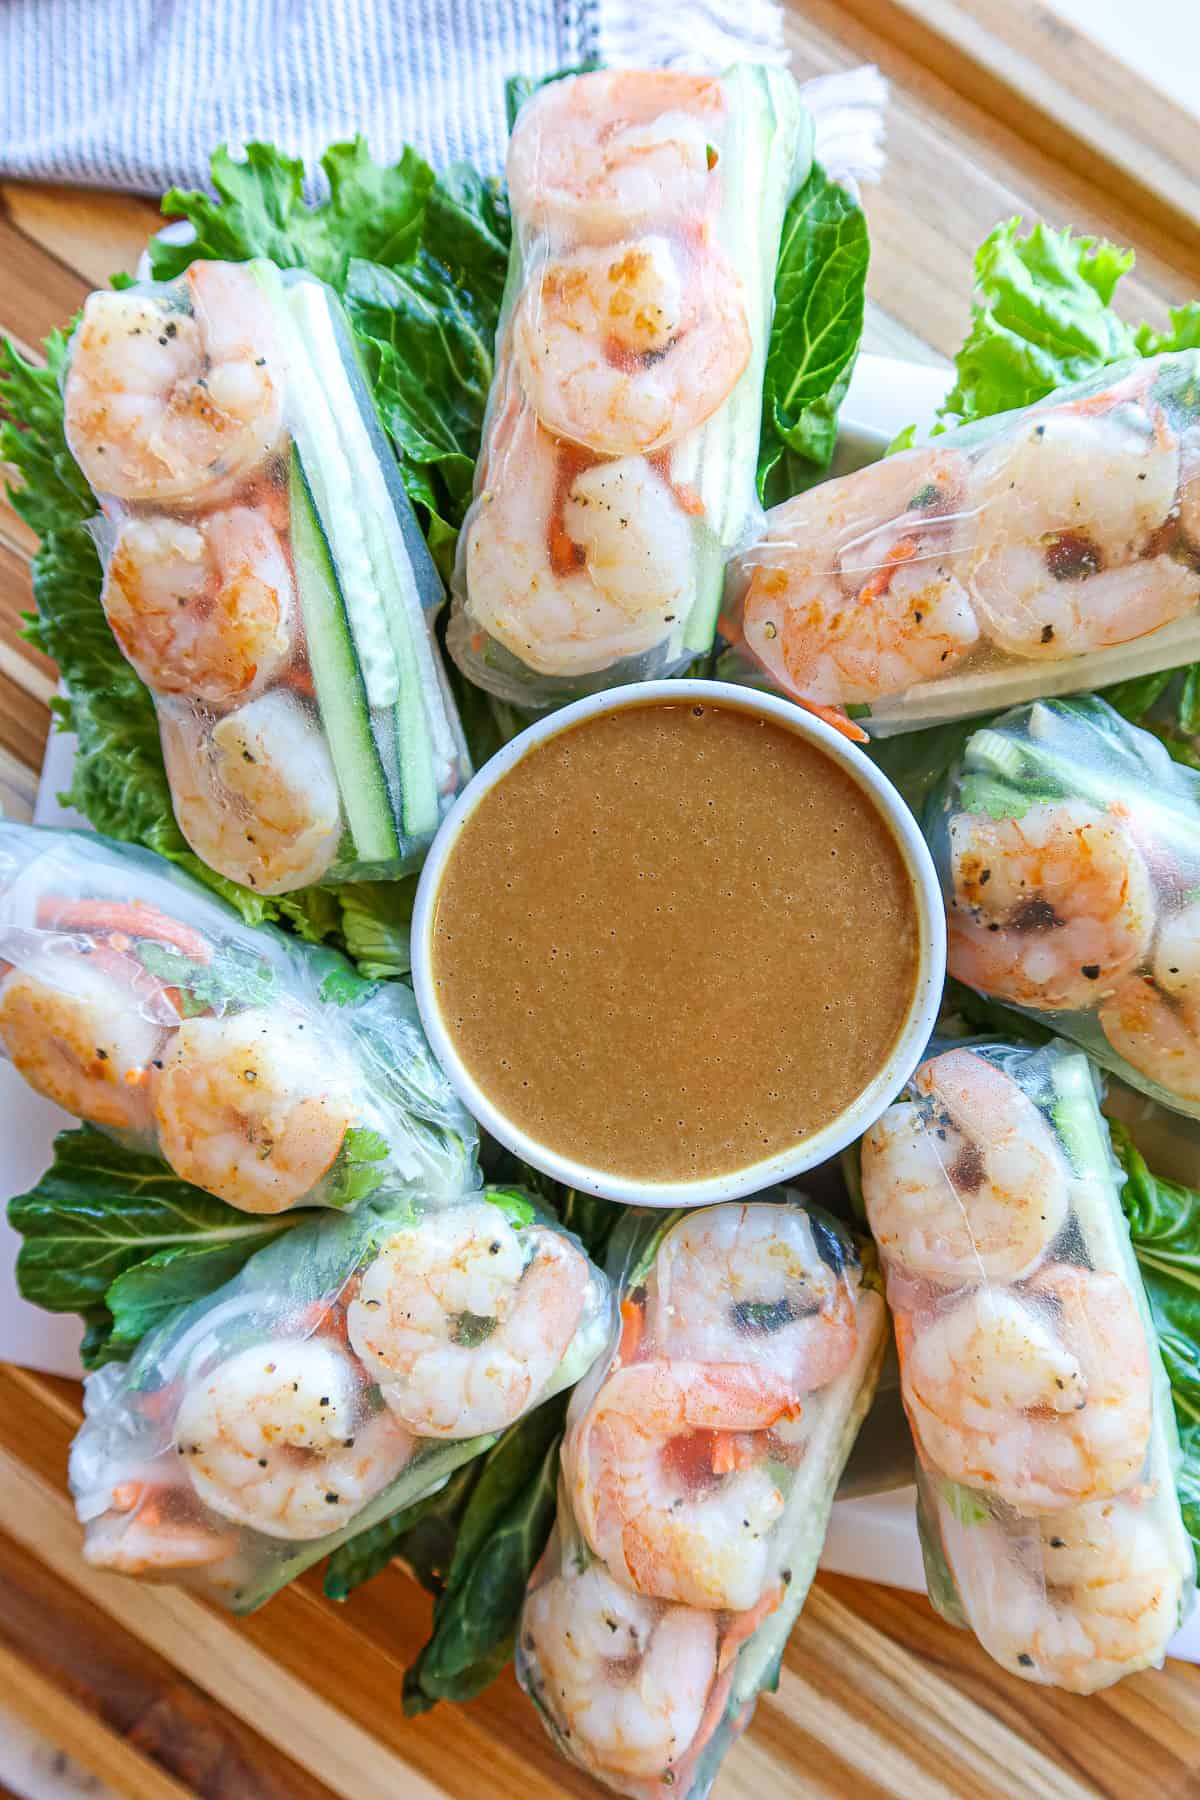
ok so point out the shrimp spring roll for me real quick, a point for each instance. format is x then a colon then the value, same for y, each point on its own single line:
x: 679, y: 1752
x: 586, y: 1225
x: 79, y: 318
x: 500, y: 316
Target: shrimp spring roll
x: 1030, y: 1369
x: 342, y: 1374
x: 265, y: 574
x: 698, y: 1470
x: 261, y: 1068
x: 1068, y: 844
x: 1042, y: 551
x: 622, y: 432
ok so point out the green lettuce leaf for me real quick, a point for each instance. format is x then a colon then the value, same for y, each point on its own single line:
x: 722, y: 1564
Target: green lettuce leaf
x: 1043, y: 317
x: 373, y: 210
x: 112, y: 1234
x: 422, y: 1536
x: 820, y: 300
x: 501, y: 1535
x: 1164, y: 1224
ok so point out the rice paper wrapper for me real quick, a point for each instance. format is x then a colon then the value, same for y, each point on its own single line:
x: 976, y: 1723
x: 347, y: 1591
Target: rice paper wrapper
x: 1042, y: 551
x: 265, y: 574
x: 1068, y: 845
x: 621, y: 439
x: 1030, y: 1369
x: 698, y: 1470
x: 344, y: 1373
x: 260, y: 1068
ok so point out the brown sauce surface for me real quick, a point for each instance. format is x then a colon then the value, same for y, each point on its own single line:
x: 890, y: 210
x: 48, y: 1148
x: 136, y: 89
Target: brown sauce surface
x: 673, y: 941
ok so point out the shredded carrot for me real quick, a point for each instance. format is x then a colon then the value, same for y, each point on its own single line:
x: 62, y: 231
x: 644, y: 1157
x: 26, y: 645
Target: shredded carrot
x: 633, y: 1318
x: 744, y: 1624
x: 477, y: 642
x: 833, y: 715
x: 729, y: 629
x: 122, y: 921
x: 902, y: 551
x: 126, y: 1495
x: 735, y: 1450
x: 689, y: 500
x: 299, y: 679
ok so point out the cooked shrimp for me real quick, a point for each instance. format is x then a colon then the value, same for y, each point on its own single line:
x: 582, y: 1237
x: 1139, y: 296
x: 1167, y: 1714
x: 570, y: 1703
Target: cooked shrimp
x: 463, y: 1321
x: 1154, y: 1023
x: 1094, y: 1595
x: 574, y: 569
x: 747, y: 1283
x: 966, y: 1182
x: 627, y: 349
x: 1040, y: 1397
x: 626, y: 1680
x: 255, y: 792
x: 602, y: 155
x: 86, y: 1029
x: 252, y: 1107
x: 154, y: 1531
x: 1050, y: 910
x: 854, y: 592
x: 203, y: 609
x: 674, y: 1510
x: 279, y: 1437
x: 175, y: 402
x: 1070, y: 503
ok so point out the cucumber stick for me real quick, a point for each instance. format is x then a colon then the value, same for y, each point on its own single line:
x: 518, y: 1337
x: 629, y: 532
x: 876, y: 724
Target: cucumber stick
x: 363, y: 560
x: 767, y: 157
x: 368, y: 513
x: 341, y: 691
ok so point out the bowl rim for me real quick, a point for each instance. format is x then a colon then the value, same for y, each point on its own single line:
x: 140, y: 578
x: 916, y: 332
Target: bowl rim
x: 834, y: 1137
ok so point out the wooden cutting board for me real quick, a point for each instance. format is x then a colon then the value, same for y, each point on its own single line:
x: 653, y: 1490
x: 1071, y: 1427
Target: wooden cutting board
x: 998, y: 107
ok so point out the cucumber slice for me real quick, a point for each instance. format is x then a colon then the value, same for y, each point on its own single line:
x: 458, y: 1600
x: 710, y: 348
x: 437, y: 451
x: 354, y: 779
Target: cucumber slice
x: 360, y: 512
x: 341, y: 691
x: 770, y: 134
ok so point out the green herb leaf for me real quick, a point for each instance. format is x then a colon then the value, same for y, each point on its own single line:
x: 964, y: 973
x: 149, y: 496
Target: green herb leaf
x: 1043, y: 318
x: 501, y: 1535
x: 344, y: 986
x: 422, y: 1536
x: 355, y: 1174
x: 820, y: 299
x: 373, y: 210
x: 234, y: 978
x: 114, y: 1235
x: 1164, y: 1224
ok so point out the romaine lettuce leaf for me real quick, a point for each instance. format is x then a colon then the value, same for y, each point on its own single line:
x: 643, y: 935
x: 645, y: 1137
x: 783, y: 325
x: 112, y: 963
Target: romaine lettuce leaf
x: 820, y: 300
x: 373, y: 210
x: 114, y: 1235
x: 1164, y: 1224
x: 1043, y: 317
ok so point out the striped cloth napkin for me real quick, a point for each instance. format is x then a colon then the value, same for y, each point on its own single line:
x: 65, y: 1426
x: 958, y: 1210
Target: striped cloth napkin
x: 136, y: 93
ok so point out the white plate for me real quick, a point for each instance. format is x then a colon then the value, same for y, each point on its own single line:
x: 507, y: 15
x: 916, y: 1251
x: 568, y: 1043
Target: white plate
x: 875, y: 1537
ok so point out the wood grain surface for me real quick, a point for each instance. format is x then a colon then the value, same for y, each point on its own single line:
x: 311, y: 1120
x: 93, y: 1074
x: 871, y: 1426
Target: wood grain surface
x: 999, y: 107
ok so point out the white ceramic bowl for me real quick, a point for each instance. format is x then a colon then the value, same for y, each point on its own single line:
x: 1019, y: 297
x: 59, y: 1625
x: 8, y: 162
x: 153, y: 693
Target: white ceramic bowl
x: 879, y: 1093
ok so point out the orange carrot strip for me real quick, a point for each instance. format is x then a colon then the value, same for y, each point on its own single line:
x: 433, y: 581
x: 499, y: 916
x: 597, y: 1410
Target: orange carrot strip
x: 833, y: 715
x: 744, y: 1624
x: 132, y: 918
x: 633, y: 1319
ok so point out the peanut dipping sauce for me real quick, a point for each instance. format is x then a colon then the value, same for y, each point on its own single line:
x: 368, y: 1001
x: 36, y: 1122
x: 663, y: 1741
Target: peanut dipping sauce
x: 674, y: 940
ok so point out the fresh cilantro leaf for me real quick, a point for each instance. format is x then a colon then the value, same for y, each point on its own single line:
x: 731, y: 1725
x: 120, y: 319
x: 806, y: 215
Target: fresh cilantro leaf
x: 233, y: 977
x: 355, y: 1173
